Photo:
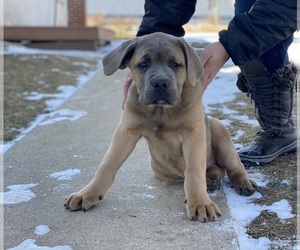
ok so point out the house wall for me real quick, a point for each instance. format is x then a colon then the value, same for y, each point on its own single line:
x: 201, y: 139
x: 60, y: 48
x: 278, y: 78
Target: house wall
x: 35, y: 13
x: 135, y: 8
x: 61, y: 12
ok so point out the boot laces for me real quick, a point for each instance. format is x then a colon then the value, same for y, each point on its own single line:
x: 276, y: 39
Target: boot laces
x: 267, y: 108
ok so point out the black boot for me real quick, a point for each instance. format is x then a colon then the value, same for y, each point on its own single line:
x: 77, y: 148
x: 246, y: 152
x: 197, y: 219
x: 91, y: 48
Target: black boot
x: 273, y: 98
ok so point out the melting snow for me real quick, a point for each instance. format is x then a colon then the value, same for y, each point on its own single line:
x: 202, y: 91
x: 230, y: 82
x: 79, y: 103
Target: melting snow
x: 63, y: 114
x: 41, y: 230
x: 66, y: 175
x: 30, y: 245
x: 17, y: 194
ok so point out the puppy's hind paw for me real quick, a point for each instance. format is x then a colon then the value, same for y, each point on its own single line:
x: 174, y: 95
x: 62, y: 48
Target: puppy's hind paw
x: 246, y: 187
x: 214, y: 183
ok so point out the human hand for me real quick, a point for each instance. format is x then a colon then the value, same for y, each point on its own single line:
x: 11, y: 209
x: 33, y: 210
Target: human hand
x: 213, y: 57
x: 126, y: 86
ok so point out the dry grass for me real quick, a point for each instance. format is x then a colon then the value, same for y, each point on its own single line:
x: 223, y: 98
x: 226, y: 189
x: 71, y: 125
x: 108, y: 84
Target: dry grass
x: 24, y: 74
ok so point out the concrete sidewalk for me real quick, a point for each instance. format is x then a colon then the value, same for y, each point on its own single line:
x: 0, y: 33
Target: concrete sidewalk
x: 138, y: 212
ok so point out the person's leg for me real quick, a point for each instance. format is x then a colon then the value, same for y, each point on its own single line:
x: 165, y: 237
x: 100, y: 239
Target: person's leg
x: 270, y: 81
x: 272, y: 94
x: 277, y: 57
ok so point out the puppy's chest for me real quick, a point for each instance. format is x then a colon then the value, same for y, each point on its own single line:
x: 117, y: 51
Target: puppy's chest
x: 158, y: 130
x: 164, y: 128
x: 165, y: 146
x: 164, y: 137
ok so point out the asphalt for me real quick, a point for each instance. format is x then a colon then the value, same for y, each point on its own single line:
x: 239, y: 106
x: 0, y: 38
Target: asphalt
x: 138, y: 212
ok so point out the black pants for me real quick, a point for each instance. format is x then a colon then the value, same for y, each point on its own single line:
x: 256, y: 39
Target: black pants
x: 275, y: 58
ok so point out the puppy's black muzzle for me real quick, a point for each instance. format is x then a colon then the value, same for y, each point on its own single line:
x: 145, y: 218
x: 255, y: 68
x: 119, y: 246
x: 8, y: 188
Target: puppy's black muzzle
x: 160, y: 91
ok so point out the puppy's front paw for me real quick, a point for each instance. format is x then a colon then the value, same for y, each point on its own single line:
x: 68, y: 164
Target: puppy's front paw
x: 82, y: 200
x: 243, y: 185
x: 202, y: 211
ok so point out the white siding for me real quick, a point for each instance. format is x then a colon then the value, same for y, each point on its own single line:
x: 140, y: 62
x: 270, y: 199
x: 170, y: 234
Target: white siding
x: 35, y: 13
x: 136, y: 7
x: 55, y: 12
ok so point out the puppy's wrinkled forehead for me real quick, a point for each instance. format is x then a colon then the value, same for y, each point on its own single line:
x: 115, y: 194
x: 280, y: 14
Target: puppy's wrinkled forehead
x: 158, y: 49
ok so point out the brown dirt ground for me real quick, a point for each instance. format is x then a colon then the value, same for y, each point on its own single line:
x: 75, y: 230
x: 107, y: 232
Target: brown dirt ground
x: 267, y: 224
x: 27, y: 73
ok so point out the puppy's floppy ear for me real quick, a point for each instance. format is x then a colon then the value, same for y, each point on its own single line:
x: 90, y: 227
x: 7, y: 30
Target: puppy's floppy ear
x: 194, y: 66
x: 119, y: 57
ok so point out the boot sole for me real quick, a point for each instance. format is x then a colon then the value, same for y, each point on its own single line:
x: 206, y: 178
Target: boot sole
x: 249, y: 161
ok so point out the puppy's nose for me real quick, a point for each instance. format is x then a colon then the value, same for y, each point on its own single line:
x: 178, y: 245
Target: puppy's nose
x: 160, y: 84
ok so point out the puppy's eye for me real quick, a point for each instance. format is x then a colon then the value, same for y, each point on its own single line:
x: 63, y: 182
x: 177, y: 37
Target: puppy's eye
x: 142, y: 65
x: 176, y: 65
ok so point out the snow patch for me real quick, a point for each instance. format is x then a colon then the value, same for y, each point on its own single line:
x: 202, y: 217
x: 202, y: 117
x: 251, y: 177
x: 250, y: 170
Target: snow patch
x: 17, y: 194
x: 238, y: 134
x: 61, y: 115
x: 286, y: 182
x: 259, y: 178
x: 65, y: 175
x: 55, y: 99
x: 41, y: 230
x: 243, y: 210
x: 282, y: 208
x: 29, y: 244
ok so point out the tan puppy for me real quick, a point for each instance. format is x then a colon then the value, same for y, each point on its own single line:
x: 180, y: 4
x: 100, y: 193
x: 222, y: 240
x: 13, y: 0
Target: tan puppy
x: 164, y: 106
